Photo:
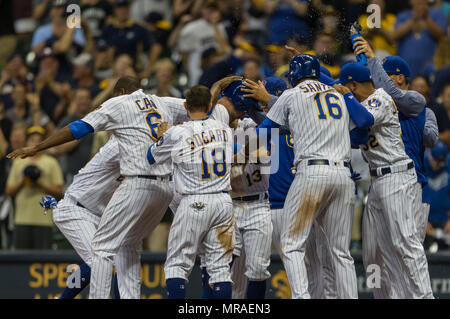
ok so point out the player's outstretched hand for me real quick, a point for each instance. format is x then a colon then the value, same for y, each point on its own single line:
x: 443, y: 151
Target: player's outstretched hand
x: 256, y: 91
x: 362, y: 46
x: 293, y: 51
x: 162, y: 128
x: 221, y: 85
x: 48, y: 202
x: 341, y: 89
x: 22, y: 153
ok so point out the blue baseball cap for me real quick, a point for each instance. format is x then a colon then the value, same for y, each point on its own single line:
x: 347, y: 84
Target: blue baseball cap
x: 275, y: 85
x: 236, y: 95
x: 440, y: 151
x: 354, y: 72
x: 396, y: 65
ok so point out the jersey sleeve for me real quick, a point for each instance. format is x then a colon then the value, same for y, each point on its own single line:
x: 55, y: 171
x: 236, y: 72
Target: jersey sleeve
x: 220, y: 114
x: 107, y: 116
x: 378, y: 108
x: 279, y: 112
x: 176, y: 109
x: 161, y: 151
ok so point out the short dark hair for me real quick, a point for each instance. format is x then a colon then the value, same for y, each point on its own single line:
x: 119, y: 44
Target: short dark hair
x: 127, y: 83
x: 198, y: 98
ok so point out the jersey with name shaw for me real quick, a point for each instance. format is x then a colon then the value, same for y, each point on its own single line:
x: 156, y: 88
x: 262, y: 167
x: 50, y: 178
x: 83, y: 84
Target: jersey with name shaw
x: 134, y: 119
x: 201, y: 153
x: 95, y: 183
x: 385, y: 146
x: 248, y: 179
x: 318, y: 120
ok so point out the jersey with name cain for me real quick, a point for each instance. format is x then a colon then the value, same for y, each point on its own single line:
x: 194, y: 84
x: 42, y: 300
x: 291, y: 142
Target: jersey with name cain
x: 314, y: 87
x: 206, y: 137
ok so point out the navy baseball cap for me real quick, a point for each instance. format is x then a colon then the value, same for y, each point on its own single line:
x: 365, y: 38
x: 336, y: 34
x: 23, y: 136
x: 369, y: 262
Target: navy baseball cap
x: 275, y: 85
x: 122, y: 3
x: 236, y: 95
x: 354, y: 72
x: 440, y: 151
x: 396, y: 65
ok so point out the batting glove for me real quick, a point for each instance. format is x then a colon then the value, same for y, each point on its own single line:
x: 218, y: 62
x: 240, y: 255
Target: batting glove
x: 48, y: 202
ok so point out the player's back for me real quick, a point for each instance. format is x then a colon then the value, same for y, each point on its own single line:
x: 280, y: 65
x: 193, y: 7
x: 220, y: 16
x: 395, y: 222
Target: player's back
x: 318, y: 120
x: 385, y: 146
x: 95, y: 183
x: 202, y: 157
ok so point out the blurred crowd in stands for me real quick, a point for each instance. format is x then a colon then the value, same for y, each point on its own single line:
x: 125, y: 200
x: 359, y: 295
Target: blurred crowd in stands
x: 57, y: 61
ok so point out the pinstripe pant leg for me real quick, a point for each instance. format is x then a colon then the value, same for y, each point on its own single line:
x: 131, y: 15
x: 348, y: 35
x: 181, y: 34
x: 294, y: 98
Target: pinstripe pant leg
x: 238, y: 277
x: 324, y: 255
x: 337, y: 223
x: 314, y: 266
x: 128, y: 268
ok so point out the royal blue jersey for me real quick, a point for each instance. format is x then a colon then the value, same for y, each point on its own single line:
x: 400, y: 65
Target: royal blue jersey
x: 281, y: 180
x: 412, y: 135
x: 438, y: 191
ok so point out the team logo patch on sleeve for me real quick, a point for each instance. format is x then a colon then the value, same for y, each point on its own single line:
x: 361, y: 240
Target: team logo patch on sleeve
x: 374, y: 103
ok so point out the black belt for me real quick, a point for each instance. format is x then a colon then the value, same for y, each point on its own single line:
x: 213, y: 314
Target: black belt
x: 79, y: 205
x: 324, y: 162
x: 250, y: 198
x: 387, y: 170
x: 153, y: 177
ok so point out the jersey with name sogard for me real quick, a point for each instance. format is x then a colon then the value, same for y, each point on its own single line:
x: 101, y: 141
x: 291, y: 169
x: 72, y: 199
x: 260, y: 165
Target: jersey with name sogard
x: 133, y: 119
x: 247, y: 179
x: 201, y: 153
x: 385, y: 145
x: 318, y: 120
x: 95, y: 183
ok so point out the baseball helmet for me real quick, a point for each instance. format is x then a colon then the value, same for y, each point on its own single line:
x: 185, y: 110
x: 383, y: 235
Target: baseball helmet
x: 303, y: 66
x: 236, y: 95
x: 275, y: 85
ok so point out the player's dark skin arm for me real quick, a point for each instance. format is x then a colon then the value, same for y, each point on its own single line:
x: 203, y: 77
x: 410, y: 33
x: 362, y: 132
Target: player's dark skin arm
x: 64, y: 135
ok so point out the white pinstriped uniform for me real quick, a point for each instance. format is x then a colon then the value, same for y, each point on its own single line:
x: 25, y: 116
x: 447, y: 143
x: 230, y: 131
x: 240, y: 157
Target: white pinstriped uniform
x: 201, y: 154
x: 253, y: 221
x: 93, y: 187
x: 390, y: 237
x: 138, y: 204
x: 319, y: 122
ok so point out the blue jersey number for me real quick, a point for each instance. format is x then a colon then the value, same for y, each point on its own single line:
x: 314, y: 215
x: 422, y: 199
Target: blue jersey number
x: 219, y: 166
x: 153, y: 118
x: 334, y: 109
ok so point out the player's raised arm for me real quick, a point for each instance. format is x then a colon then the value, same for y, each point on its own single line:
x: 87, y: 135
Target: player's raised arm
x: 392, y: 76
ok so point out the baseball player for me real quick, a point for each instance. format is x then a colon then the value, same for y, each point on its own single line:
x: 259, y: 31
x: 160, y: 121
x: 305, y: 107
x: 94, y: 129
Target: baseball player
x: 142, y: 198
x: 322, y: 189
x: 392, y: 197
x: 200, y: 151
x: 78, y: 214
x: 419, y: 130
x: 251, y: 209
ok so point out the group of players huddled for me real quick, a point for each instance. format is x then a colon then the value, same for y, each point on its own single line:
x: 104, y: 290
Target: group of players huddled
x: 231, y: 199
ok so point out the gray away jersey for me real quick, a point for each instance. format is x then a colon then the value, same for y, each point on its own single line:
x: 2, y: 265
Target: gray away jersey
x: 201, y: 153
x: 134, y: 119
x: 385, y: 145
x: 95, y: 183
x: 318, y: 120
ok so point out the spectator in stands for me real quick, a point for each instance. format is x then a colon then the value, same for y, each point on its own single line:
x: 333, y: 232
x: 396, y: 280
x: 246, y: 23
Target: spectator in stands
x: 55, y: 30
x: 381, y: 37
x: 124, y: 35
x: 14, y: 72
x: 419, y: 28
x: 83, y: 74
x: 251, y: 70
x: 103, y: 61
x: 141, y: 8
x: 199, y: 35
x: 164, y: 76
x: 96, y: 12
x: 75, y: 155
x: 325, y: 48
x: 443, y: 116
x: 437, y: 167
x: 287, y: 18
x: 441, y: 67
x: 7, y: 33
x: 51, y: 85
x: 28, y: 181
